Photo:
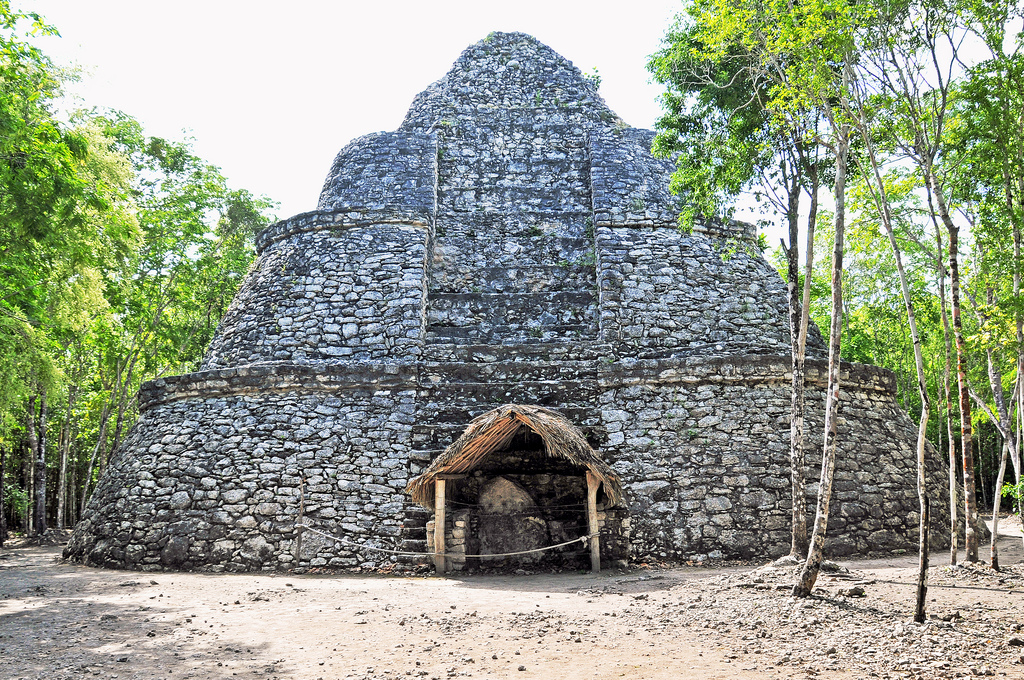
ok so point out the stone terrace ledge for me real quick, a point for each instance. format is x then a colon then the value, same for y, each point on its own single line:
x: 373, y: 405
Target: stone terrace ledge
x: 746, y: 370
x: 275, y: 377
x: 346, y: 218
x: 319, y: 377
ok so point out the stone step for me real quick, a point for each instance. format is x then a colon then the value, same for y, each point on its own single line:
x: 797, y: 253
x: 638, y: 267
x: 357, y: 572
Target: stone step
x: 418, y: 521
x: 475, y: 251
x: 417, y: 511
x: 564, y: 351
x: 442, y: 373
x: 511, y: 334
x: 540, y: 392
x: 414, y: 545
x: 563, y: 196
x: 520, y: 277
x: 486, y: 167
x: 519, y: 309
x: 494, y: 227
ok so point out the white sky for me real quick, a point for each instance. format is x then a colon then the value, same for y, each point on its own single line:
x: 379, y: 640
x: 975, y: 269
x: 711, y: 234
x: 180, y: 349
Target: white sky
x: 272, y: 90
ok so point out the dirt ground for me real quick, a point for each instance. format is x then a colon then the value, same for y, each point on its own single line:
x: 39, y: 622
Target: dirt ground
x: 61, y: 621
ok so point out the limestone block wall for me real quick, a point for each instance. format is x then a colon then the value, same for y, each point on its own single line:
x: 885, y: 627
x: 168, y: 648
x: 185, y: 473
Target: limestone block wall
x: 224, y: 464
x: 510, y: 71
x: 630, y: 187
x: 527, y: 285
x: 530, y: 256
x: 383, y: 171
x: 541, y: 166
x: 512, y: 258
x: 628, y: 184
x: 349, y: 291
x: 692, y: 293
x: 704, y: 455
x: 219, y: 481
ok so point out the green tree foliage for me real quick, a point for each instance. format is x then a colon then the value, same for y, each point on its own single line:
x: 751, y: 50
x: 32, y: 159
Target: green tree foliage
x: 936, y: 140
x: 119, y: 253
x: 714, y: 123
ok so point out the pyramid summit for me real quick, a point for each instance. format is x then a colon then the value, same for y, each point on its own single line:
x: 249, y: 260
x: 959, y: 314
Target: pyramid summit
x: 508, y: 71
x: 492, y: 306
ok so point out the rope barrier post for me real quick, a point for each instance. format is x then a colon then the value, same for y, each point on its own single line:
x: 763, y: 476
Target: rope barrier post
x: 439, y: 522
x: 595, y: 540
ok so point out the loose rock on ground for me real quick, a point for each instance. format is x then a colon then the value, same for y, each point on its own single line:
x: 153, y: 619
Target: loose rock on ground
x: 62, y: 621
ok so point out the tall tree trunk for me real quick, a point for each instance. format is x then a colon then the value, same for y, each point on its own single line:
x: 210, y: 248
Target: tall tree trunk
x: 32, y: 441
x: 948, y: 400
x: 816, y: 552
x: 797, y: 459
x: 104, y: 419
x: 1002, y: 420
x: 3, y: 494
x: 997, y: 497
x: 123, y: 397
x: 798, y: 545
x: 40, y: 464
x: 121, y: 407
x: 75, y: 465
x: 922, y: 566
x: 970, y: 492
x: 882, y: 203
x: 980, y: 459
x: 27, y: 472
x: 1020, y: 436
x: 100, y: 449
x: 64, y: 443
x: 1019, y: 318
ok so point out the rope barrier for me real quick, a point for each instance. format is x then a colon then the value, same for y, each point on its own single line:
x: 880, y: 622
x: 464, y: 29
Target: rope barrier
x: 581, y: 539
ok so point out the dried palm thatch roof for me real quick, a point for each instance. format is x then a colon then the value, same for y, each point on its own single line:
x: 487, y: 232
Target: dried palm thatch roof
x: 494, y: 430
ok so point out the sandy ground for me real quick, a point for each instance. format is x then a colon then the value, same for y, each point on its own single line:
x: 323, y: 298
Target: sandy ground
x: 60, y: 621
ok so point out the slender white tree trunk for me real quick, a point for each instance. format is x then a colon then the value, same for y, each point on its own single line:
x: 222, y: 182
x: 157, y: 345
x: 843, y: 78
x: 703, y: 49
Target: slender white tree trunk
x: 881, y: 198
x: 40, y: 466
x: 798, y: 544
x: 970, y: 492
x: 816, y: 551
x: 947, y: 400
x: 994, y: 547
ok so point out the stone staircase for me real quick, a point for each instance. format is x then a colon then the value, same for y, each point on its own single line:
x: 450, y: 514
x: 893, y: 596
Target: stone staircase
x: 512, y: 302
x: 543, y: 289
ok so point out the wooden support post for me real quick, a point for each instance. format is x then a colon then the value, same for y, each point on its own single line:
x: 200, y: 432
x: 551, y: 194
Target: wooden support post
x: 595, y: 542
x: 439, y: 522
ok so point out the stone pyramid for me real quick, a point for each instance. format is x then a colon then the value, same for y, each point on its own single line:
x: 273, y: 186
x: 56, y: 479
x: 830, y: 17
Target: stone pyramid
x: 514, y: 241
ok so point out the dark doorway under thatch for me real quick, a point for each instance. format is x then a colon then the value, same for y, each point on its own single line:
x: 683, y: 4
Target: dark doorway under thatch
x: 518, y: 480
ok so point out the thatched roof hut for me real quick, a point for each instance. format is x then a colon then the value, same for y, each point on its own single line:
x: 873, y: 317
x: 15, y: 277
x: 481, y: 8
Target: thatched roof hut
x: 495, y: 430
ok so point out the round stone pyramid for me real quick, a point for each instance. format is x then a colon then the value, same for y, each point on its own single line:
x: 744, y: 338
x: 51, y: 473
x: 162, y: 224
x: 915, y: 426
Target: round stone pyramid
x: 514, y: 241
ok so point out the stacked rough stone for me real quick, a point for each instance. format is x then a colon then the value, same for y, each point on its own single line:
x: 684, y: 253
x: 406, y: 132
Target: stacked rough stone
x: 514, y: 241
